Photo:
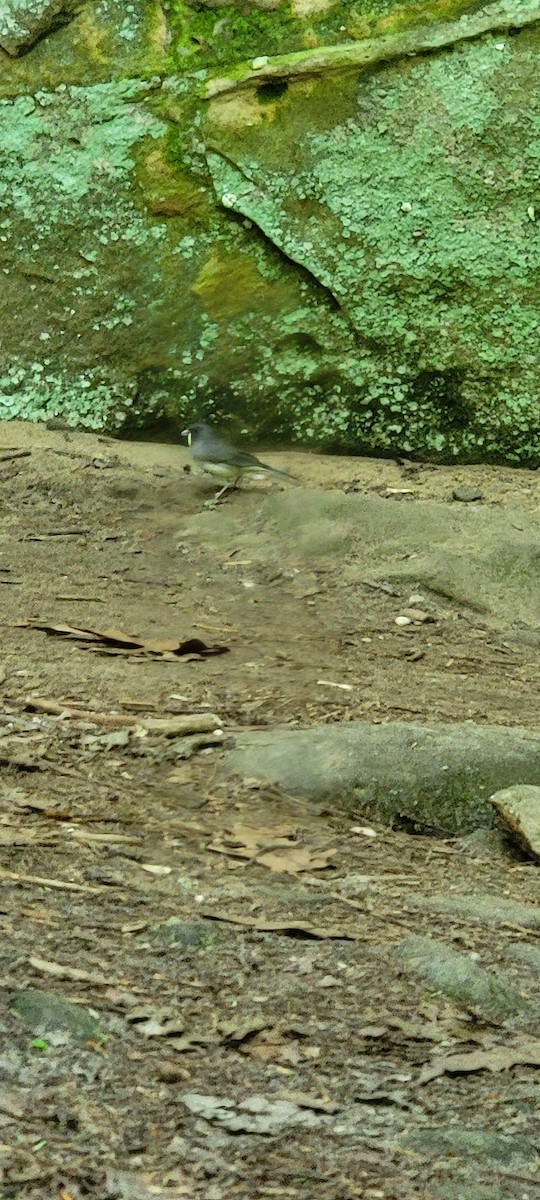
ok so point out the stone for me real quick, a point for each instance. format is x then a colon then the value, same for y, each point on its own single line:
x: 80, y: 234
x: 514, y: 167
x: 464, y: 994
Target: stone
x: 187, y: 934
x: 485, y: 844
x: 417, y: 615
x: 529, y: 955
x: 44, y: 1012
x: 472, y: 557
x: 486, y: 1147
x: 459, y: 978
x: 438, y: 776
x: 518, y: 809
x: 485, y: 909
x: 22, y: 22
x: 467, y: 495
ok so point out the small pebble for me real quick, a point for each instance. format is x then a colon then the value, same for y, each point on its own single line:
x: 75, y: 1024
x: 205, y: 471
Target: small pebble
x: 58, y: 423
x: 467, y: 495
x: 403, y: 621
x: 417, y: 615
x: 258, y: 63
x: 416, y: 598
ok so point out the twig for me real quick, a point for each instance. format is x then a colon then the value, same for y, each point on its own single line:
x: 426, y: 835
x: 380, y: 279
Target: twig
x: 41, y: 537
x: 83, y: 835
x: 60, y: 884
x: 86, y: 599
x: 380, y: 587
x: 365, y: 53
x: 170, y: 726
x: 59, y: 971
x: 351, y: 903
x: 15, y: 454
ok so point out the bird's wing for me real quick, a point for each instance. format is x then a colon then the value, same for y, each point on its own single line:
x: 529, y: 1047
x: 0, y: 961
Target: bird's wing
x: 241, y: 458
x: 214, y: 450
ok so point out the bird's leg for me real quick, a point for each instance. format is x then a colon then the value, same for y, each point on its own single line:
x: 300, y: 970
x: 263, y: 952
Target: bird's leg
x: 227, y: 487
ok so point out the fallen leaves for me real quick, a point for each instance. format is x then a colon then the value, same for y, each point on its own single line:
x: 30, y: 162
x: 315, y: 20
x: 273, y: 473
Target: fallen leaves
x: 283, y: 1046
x: 155, y: 1023
x: 297, y: 929
x: 256, y: 1114
x: 500, y: 1058
x: 275, y: 848
x: 115, y: 641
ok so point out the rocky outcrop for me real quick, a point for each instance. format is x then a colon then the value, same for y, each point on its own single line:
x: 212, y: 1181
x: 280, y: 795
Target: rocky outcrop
x: 23, y: 22
x: 291, y: 217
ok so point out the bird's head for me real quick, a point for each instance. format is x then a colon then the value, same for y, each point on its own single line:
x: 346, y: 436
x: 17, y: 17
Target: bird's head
x: 194, y: 432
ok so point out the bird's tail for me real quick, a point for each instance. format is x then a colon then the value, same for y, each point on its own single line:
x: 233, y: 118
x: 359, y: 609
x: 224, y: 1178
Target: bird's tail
x: 282, y: 474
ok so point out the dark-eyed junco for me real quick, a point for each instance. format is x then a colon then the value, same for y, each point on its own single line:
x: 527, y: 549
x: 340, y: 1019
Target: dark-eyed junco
x: 218, y: 457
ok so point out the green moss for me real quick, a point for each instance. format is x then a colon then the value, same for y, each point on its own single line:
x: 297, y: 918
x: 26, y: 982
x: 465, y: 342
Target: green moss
x: 369, y: 21
x: 167, y: 190
x: 227, y: 286
x: 224, y: 35
x: 231, y: 34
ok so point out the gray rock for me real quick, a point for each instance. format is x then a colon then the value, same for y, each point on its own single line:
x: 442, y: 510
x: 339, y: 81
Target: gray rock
x: 453, y: 1190
x: 488, y: 910
x: 486, y: 844
x: 439, y: 776
x: 188, y: 934
x: 43, y: 1012
x: 23, y: 22
x: 467, y: 495
x: 482, y: 1145
x: 529, y: 955
x: 460, y: 978
x: 518, y: 809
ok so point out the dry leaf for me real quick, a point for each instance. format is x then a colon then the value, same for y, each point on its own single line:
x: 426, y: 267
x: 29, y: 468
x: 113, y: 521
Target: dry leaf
x: 304, y: 1100
x: 501, y: 1058
x: 10, y: 1102
x: 299, y: 929
x: 116, y: 641
x: 61, y: 972
x: 236, y: 1031
x: 275, y: 848
x: 155, y: 1028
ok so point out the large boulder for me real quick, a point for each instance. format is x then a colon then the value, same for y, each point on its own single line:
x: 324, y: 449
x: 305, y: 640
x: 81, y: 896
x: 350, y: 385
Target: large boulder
x: 437, y: 777
x: 290, y: 217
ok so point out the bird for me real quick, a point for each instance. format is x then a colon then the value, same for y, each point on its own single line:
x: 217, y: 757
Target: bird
x: 218, y: 457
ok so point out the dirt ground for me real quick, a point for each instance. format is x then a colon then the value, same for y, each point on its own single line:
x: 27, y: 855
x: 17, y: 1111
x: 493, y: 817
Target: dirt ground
x: 105, y: 837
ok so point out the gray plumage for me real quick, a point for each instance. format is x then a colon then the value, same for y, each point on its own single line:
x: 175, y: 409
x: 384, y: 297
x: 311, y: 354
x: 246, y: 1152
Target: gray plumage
x: 218, y: 457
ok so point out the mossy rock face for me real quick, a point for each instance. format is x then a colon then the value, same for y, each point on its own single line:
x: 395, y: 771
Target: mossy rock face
x: 346, y: 258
